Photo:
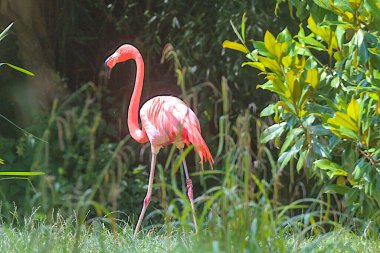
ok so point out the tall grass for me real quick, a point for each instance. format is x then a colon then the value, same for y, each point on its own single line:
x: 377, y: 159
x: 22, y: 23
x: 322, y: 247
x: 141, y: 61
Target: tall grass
x: 264, y: 233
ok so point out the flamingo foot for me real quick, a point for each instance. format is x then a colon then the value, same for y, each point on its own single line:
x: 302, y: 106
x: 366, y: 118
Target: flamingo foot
x: 145, y: 206
x: 189, y: 185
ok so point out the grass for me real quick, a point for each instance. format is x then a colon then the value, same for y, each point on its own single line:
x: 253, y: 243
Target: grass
x: 61, y: 236
x: 337, y: 241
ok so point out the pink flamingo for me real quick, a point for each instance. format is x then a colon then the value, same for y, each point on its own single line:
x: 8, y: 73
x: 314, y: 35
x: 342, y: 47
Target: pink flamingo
x: 165, y: 120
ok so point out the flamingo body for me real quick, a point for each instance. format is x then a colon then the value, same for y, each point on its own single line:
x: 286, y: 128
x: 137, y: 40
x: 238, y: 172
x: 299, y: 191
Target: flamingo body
x: 168, y: 120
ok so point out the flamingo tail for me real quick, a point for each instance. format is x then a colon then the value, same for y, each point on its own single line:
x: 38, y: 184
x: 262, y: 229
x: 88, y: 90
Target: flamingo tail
x: 192, y: 134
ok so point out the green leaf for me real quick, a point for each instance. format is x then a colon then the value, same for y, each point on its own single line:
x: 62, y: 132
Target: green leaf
x: 5, y: 31
x: 243, y: 26
x: 286, y: 156
x: 284, y: 36
x: 312, y: 78
x: 269, y: 86
x: 363, y: 54
x: 269, y: 110
x: 21, y: 173
x: 353, y: 110
x: 310, y: 63
x: 373, y: 8
x: 333, y: 188
x: 351, y: 197
x: 272, y: 132
x: 270, y: 42
x: 309, y: 40
x: 270, y: 64
x: 236, y: 32
x: 340, y: 35
x: 333, y: 169
x: 323, y: 4
x: 235, y: 46
x: 301, y: 160
x: 260, y: 47
x: 361, y: 169
x: 342, y: 119
x: 374, y: 51
x: 256, y: 65
x: 290, y: 137
x: 17, y: 68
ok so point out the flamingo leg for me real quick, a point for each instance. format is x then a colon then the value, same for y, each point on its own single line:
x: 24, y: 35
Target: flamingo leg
x: 148, y: 194
x: 189, y: 185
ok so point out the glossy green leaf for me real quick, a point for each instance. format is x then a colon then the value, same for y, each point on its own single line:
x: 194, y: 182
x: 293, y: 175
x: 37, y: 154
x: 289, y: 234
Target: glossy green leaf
x: 344, y: 120
x: 310, y: 41
x: 339, y: 189
x: 269, y: 110
x: 260, y: 47
x: 333, y: 169
x: 243, y: 26
x: 270, y: 64
x: 373, y: 7
x: 272, y: 132
x: 292, y: 153
x: 353, y: 111
x: 235, y: 46
x: 340, y: 35
x: 360, y: 170
x: 256, y: 65
x: 351, y: 197
x: 363, y: 54
x: 284, y: 36
x: 270, y: 43
x: 290, y: 137
x: 269, y: 86
x: 310, y: 63
x: 312, y: 78
x: 301, y: 160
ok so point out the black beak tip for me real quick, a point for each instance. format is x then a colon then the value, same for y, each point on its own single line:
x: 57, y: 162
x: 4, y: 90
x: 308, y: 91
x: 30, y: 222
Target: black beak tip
x: 107, y: 71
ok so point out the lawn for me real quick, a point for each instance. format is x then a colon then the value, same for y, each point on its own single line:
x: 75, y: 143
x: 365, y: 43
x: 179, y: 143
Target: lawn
x: 63, y: 236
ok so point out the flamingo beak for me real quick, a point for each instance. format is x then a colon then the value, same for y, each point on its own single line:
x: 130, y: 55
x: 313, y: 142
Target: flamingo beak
x: 109, y: 64
x: 107, y: 71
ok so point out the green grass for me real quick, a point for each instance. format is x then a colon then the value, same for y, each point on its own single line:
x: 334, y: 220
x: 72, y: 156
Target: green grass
x: 62, y: 235
x: 336, y: 241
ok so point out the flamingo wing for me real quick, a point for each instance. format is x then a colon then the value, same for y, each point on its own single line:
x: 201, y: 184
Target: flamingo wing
x: 168, y: 120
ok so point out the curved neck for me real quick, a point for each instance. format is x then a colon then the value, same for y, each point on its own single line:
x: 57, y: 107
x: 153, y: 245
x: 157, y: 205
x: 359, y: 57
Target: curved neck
x: 133, y: 110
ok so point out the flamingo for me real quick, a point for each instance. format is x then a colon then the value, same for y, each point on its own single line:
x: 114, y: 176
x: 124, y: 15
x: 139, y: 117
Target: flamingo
x: 165, y: 120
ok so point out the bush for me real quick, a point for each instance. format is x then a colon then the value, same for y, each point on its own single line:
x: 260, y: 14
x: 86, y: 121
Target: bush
x: 327, y: 81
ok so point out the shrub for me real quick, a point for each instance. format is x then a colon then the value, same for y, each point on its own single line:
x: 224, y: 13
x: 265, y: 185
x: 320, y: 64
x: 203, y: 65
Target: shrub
x: 327, y: 82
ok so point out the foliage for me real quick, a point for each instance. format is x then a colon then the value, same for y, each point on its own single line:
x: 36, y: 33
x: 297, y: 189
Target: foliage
x: 18, y: 174
x: 84, y: 169
x: 81, y: 34
x: 93, y: 169
x: 3, y: 34
x: 327, y: 82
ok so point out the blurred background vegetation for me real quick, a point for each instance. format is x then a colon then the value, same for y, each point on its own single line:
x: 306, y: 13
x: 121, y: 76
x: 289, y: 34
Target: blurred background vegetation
x: 92, y: 165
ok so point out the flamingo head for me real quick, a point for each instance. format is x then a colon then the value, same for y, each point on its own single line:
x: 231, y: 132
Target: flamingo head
x: 123, y: 53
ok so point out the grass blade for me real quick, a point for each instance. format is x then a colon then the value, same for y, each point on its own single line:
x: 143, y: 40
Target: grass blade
x: 4, y: 33
x: 21, y: 173
x: 17, y: 68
